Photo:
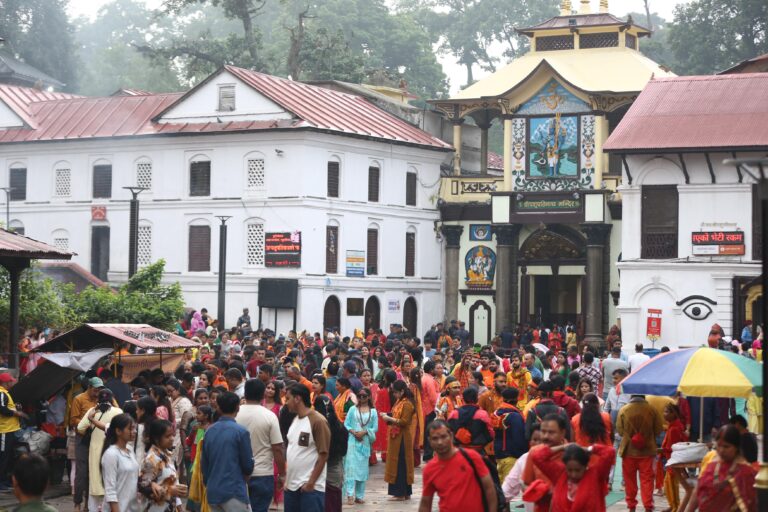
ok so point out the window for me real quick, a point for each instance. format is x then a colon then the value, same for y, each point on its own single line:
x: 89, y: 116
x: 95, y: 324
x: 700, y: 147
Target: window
x: 551, y: 43
x: 256, y: 178
x: 144, y: 249
x: 410, y: 254
x: 144, y: 175
x: 659, y: 222
x: 62, y: 186
x: 100, y: 251
x: 102, y: 181
x: 410, y: 189
x: 630, y: 41
x: 255, y: 244
x: 18, y: 183
x: 372, y: 258
x: 200, y: 179
x: 61, y: 243
x: 373, y: 183
x: 333, y: 179
x: 601, y: 40
x: 199, y: 248
x: 226, y: 98
x: 331, y: 249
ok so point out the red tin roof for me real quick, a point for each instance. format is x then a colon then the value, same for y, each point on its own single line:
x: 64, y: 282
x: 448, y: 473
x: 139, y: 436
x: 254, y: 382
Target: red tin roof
x: 14, y: 245
x: 71, y: 117
x: 19, y: 99
x: 87, y: 337
x: 726, y: 112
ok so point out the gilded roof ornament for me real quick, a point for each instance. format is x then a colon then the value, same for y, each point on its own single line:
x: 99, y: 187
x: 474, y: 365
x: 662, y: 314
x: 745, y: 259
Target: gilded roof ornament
x: 565, y: 8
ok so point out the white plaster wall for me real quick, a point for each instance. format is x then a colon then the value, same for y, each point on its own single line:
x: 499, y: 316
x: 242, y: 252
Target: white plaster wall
x: 660, y: 284
x: 293, y: 199
x: 8, y: 117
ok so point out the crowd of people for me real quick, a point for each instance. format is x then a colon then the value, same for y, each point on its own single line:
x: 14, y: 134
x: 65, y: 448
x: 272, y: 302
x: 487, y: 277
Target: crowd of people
x: 252, y: 419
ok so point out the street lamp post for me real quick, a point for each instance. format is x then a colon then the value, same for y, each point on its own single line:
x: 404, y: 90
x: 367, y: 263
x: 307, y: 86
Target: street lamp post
x: 7, y: 191
x: 133, y: 230
x: 222, y: 268
x: 748, y: 165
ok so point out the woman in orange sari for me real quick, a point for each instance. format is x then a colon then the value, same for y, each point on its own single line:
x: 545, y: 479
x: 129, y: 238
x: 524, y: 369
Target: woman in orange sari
x: 383, y: 405
x: 399, y: 469
x: 728, y: 481
x: 418, y: 431
x: 345, y: 399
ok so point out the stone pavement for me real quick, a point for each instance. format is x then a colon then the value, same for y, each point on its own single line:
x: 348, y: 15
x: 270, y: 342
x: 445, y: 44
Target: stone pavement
x: 376, y: 497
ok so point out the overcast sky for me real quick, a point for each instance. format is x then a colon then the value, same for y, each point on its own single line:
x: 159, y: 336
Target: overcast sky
x: 455, y: 73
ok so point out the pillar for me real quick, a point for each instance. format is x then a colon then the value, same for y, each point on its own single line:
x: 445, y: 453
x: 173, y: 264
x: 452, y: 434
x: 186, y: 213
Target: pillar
x: 507, y: 154
x: 484, y: 146
x: 506, y: 275
x: 452, y: 236
x: 457, y: 146
x: 597, y: 236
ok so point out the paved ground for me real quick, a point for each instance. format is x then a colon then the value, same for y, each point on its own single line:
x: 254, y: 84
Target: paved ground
x: 376, y: 497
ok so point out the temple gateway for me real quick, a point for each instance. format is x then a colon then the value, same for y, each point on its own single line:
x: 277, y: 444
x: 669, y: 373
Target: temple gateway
x: 535, y: 245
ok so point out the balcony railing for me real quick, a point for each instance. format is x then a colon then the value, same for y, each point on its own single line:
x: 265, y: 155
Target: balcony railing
x: 659, y: 246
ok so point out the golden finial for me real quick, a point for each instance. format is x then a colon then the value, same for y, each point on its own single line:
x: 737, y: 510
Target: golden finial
x: 565, y: 8
x: 603, y: 5
x: 585, y: 9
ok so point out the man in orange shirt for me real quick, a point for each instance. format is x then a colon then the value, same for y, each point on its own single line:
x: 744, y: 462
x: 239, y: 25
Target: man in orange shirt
x: 294, y: 373
x: 553, y: 428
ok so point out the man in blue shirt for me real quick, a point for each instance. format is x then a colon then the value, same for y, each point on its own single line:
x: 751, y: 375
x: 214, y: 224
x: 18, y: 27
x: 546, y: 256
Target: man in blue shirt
x: 227, y: 459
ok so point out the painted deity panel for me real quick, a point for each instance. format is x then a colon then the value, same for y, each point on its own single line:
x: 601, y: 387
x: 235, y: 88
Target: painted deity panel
x: 553, y: 147
x: 480, y: 267
x: 552, y: 98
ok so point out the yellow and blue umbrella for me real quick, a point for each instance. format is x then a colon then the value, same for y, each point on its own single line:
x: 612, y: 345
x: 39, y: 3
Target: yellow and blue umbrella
x: 702, y: 372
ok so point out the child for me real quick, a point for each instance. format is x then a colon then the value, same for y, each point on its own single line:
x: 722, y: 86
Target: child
x: 203, y: 418
x: 675, y: 434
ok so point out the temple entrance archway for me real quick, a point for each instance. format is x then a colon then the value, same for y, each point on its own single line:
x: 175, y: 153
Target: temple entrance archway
x: 332, y: 313
x: 372, y: 313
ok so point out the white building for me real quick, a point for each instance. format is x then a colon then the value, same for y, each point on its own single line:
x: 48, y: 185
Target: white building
x: 690, y: 250
x: 278, y: 157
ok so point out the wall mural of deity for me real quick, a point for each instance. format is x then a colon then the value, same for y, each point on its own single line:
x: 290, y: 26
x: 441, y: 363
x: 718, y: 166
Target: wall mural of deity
x: 553, y: 147
x: 480, y: 267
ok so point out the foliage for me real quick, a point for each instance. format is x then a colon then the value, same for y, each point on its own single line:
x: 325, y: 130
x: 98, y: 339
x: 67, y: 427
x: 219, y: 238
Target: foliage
x: 655, y: 47
x: 708, y: 36
x: 39, y: 33
x: 143, y: 299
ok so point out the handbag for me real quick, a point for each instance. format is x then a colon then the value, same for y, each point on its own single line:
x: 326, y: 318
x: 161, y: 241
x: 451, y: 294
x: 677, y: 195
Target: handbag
x: 86, y: 439
x: 501, y: 500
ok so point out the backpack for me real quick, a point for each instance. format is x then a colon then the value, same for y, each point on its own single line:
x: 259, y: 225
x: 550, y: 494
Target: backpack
x: 467, y: 430
x: 501, y: 501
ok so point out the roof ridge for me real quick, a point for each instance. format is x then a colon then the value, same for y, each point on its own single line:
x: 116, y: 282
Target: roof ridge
x: 709, y: 78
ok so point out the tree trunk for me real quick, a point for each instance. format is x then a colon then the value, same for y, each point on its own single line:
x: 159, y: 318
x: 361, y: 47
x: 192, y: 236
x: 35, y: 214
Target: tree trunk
x: 470, y: 77
x: 294, y: 52
x: 648, y: 15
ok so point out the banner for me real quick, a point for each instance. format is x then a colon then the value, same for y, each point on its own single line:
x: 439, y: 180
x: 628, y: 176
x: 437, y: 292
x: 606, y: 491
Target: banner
x: 355, y: 263
x: 718, y: 243
x: 653, y: 325
x: 135, y: 364
x: 282, y: 249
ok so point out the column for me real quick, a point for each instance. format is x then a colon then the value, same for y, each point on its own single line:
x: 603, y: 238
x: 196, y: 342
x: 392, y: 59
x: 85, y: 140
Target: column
x: 597, y: 235
x: 484, y: 146
x: 457, y: 146
x: 507, y: 154
x: 452, y: 236
x: 506, y: 275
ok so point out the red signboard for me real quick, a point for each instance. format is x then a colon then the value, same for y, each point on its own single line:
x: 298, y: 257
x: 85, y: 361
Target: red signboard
x: 653, y: 325
x: 282, y: 249
x: 98, y: 212
x: 718, y: 243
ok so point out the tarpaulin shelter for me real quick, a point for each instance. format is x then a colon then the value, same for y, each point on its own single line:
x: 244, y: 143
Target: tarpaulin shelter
x: 87, y: 337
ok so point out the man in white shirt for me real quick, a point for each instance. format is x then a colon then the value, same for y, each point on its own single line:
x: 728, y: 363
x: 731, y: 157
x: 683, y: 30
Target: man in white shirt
x: 638, y: 358
x: 309, y: 440
x: 266, y: 444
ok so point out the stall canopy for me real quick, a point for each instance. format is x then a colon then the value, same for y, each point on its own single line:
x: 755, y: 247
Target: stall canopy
x: 88, y: 337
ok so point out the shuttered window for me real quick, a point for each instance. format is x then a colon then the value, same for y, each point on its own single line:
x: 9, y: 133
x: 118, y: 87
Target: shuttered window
x: 659, y: 222
x: 410, y: 254
x: 18, y: 184
x: 199, y: 248
x: 410, y: 189
x: 372, y: 255
x: 333, y: 179
x: 226, y: 98
x: 373, y: 183
x: 331, y: 249
x: 200, y: 179
x: 102, y: 181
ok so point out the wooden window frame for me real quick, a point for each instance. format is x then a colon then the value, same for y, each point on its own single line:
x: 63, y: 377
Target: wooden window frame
x: 194, y: 187
x: 331, y: 256
x: 410, y: 254
x: 17, y: 192
x: 659, y: 242
x: 374, y: 183
x: 333, y: 178
x: 101, y: 186
x: 202, y: 264
x: 411, y: 187
x: 372, y: 252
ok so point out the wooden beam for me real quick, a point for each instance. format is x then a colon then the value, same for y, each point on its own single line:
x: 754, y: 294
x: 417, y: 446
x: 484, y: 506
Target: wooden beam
x: 626, y: 167
x: 709, y: 166
x: 685, y: 169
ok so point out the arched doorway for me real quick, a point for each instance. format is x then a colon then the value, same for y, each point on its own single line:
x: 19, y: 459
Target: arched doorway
x: 410, y: 316
x: 480, y: 322
x: 372, y: 313
x: 332, y: 313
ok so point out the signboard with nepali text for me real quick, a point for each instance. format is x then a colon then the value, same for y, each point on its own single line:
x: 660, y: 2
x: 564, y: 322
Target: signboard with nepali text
x: 355, y: 263
x: 282, y: 249
x: 718, y: 243
x: 653, y: 325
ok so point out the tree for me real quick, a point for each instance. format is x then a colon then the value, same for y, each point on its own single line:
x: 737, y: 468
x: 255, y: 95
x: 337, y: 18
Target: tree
x: 711, y: 35
x: 500, y: 18
x: 39, y: 33
x: 108, y: 55
x: 655, y: 47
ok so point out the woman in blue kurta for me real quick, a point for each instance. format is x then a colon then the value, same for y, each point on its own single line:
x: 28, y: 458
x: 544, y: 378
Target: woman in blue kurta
x: 362, y: 423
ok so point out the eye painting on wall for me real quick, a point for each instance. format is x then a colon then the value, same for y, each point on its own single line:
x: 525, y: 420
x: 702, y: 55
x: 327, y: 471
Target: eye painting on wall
x: 480, y: 267
x: 553, y: 147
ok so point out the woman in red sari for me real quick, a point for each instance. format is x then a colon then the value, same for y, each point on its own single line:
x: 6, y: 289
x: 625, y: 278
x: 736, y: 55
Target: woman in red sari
x: 383, y: 404
x: 728, y: 481
x: 583, y: 484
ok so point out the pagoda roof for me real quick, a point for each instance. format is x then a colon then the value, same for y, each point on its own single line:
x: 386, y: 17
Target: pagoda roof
x: 12, y: 69
x: 628, y: 72
x: 576, y: 21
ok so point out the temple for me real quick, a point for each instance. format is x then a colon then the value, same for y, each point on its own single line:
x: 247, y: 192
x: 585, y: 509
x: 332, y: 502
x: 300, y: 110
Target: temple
x: 535, y: 245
